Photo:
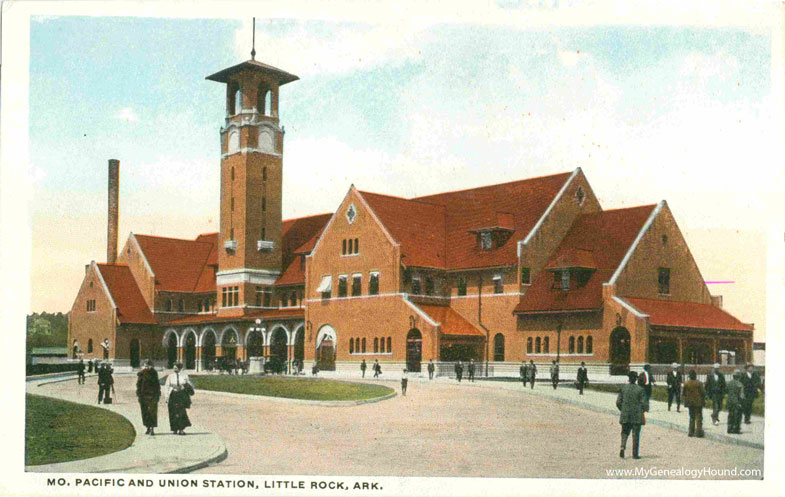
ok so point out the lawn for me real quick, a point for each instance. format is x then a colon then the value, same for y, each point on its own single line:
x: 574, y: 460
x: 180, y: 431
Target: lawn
x: 660, y: 392
x: 291, y: 388
x: 59, y: 431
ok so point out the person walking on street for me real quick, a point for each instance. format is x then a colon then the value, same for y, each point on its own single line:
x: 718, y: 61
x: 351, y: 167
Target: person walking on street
x: 459, y: 370
x: 524, y: 372
x: 148, y: 391
x: 675, y: 381
x: 583, y: 377
x: 431, y: 369
x: 735, y: 402
x: 105, y: 382
x: 632, y: 403
x: 694, y: 399
x: 648, y: 381
x: 404, y: 382
x: 532, y: 373
x: 90, y: 366
x: 554, y: 374
x: 80, y: 372
x: 377, y: 369
x: 752, y: 383
x: 715, y: 389
x: 471, y: 370
x: 363, y: 367
x: 178, y: 396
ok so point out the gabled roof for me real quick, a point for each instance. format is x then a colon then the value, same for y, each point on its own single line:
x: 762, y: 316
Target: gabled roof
x: 299, y: 237
x: 687, y: 315
x: 179, y: 265
x: 597, y: 241
x: 451, y: 323
x: 131, y: 306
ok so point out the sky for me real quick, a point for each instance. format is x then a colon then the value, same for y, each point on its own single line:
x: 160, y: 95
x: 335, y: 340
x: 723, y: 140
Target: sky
x: 404, y: 107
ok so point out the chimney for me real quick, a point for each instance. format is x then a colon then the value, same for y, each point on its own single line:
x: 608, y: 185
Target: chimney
x: 112, y: 218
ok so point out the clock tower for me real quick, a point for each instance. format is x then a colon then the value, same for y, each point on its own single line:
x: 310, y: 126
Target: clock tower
x: 251, y: 179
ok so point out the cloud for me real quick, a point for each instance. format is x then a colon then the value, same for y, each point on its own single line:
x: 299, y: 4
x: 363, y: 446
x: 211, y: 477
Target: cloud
x: 127, y: 114
x: 702, y: 67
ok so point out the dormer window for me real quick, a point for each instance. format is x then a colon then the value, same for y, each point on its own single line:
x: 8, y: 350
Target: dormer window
x: 486, y: 240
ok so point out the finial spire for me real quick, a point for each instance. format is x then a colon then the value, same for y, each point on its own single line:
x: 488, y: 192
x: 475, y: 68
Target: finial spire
x: 253, y: 42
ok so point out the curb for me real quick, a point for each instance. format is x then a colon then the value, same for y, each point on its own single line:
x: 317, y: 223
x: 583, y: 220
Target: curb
x: 285, y: 400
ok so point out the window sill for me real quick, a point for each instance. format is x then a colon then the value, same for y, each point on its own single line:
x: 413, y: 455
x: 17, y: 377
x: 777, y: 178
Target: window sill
x: 350, y: 255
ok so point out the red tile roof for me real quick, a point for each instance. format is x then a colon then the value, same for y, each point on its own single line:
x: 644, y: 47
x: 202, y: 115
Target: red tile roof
x: 206, y: 281
x: 299, y: 237
x: 687, y: 315
x: 131, y: 306
x: 440, y: 230
x: 599, y: 239
x: 293, y: 313
x: 179, y: 264
x: 451, y: 322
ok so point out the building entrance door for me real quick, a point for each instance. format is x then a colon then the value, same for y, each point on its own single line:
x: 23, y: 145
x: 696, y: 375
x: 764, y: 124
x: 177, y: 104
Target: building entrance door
x: 278, y: 352
x: 134, y: 353
x: 413, y: 350
x: 326, y: 355
x: 620, y: 351
x: 190, y: 351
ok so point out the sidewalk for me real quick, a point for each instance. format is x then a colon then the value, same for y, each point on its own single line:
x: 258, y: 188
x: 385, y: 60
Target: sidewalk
x: 162, y: 453
x: 752, y: 435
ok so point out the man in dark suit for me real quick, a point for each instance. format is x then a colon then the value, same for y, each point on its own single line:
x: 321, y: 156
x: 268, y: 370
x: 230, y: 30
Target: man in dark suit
x: 470, y: 368
x: 105, y: 382
x: 363, y: 367
x: 459, y: 370
x: 431, y: 369
x: 694, y: 399
x: 752, y: 383
x: 524, y: 372
x: 715, y: 389
x: 554, y: 374
x: 583, y: 377
x: 632, y: 402
x: 735, y: 402
x: 675, y: 380
x: 80, y: 372
x: 532, y: 372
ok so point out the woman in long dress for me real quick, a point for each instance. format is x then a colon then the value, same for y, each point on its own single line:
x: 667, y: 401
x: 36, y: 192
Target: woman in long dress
x: 178, y: 399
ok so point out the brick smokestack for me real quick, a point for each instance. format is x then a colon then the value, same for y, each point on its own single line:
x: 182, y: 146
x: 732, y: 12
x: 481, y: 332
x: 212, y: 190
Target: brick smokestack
x: 114, y: 207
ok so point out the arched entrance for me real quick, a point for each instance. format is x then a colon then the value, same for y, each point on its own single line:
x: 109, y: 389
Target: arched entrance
x: 255, y: 345
x: 171, y: 350
x: 620, y: 351
x: 299, y: 346
x: 413, y: 350
x: 279, y: 355
x: 325, y: 348
x: 208, y: 350
x: 229, y: 344
x: 134, y: 353
x: 190, y: 351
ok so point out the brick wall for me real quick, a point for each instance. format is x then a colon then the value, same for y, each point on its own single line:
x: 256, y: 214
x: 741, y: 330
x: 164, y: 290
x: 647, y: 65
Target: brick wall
x: 95, y: 325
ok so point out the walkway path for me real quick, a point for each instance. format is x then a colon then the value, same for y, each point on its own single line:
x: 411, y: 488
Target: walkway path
x: 163, y: 453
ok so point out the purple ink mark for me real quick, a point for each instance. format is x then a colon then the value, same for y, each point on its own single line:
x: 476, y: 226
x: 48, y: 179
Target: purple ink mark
x: 719, y: 282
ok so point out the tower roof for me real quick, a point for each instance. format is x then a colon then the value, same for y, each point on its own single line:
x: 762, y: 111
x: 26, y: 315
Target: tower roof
x: 282, y: 77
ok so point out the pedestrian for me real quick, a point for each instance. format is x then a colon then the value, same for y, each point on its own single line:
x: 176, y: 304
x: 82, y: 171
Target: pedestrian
x: 470, y: 369
x: 363, y: 367
x: 524, y: 372
x: 404, y: 382
x: 148, y: 391
x: 532, y: 373
x: 178, y: 395
x: 633, y: 403
x: 583, y: 377
x: 377, y: 369
x: 80, y: 372
x: 315, y: 368
x: 735, y: 391
x: 675, y: 380
x: 459, y: 370
x: 90, y: 366
x: 105, y: 347
x: 431, y: 369
x: 694, y: 399
x: 715, y: 389
x: 554, y: 374
x: 648, y: 381
x: 752, y: 383
x: 76, y: 349
x: 105, y: 382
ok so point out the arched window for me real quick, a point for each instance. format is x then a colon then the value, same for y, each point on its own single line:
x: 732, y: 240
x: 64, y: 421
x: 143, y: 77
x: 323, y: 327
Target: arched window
x: 89, y: 345
x: 238, y: 101
x: 529, y: 345
x: 363, y: 343
x: 546, y: 345
x: 389, y: 345
x: 580, y: 345
x: 588, y: 345
x: 498, y: 348
x: 571, y: 346
x: 168, y: 305
x: 234, y: 142
x: 351, y: 345
x: 261, y: 100
x: 376, y: 345
x: 180, y: 305
x: 537, y: 346
x: 382, y: 344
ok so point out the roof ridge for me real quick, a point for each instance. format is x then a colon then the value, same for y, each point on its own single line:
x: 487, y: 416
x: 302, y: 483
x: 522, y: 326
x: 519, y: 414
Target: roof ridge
x: 396, y: 197
x: 112, y: 264
x: 604, y: 211
x: 307, y: 217
x: 506, y: 183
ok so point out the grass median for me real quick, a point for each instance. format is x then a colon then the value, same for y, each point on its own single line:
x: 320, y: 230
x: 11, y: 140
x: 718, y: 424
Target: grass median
x: 60, y: 431
x: 291, y: 388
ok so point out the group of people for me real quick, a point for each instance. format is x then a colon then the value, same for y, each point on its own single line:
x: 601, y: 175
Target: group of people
x: 528, y: 374
x: 470, y: 369
x: 178, y: 390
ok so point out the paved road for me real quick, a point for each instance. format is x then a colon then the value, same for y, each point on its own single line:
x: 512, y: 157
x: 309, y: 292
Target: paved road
x: 444, y: 429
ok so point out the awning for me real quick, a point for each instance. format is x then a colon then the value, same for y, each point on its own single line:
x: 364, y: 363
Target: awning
x: 326, y: 285
x: 451, y: 323
x: 687, y: 315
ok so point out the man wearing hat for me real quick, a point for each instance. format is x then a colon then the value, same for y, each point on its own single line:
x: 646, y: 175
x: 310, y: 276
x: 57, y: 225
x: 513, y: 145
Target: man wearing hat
x: 148, y: 391
x: 694, y: 400
x: 735, y: 402
x: 582, y: 378
x: 632, y: 402
x: 715, y: 389
x: 674, y: 379
x: 751, y: 381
